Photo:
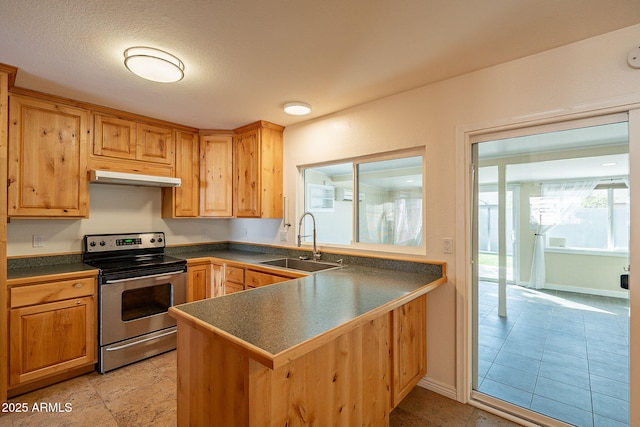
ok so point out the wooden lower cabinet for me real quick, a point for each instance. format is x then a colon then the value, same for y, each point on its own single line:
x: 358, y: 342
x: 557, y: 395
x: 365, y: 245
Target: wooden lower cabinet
x: 52, y: 330
x: 239, y: 278
x: 209, y: 279
x: 197, y: 281
x: 356, y: 378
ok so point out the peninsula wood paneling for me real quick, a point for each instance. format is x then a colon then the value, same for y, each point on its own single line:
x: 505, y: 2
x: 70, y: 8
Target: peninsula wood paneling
x: 409, y: 347
x: 344, y: 382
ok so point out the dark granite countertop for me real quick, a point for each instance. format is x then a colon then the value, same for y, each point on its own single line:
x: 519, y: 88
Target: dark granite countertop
x: 230, y: 255
x: 272, y: 320
x: 16, y: 274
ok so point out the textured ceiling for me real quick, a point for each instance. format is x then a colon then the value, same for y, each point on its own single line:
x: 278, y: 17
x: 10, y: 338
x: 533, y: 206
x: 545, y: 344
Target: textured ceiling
x: 245, y: 58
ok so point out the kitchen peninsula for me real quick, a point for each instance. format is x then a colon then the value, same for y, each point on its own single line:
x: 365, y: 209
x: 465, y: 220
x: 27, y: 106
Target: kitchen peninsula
x: 338, y: 347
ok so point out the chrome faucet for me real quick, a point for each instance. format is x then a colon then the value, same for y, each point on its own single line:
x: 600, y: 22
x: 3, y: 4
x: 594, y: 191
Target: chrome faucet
x: 316, y: 253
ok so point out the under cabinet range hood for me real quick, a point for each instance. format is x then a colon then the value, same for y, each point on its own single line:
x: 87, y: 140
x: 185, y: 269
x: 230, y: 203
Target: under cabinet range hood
x: 121, y: 178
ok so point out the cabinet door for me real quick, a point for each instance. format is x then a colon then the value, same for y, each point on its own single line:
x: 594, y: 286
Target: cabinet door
x: 247, y: 174
x: 154, y: 144
x: 47, y: 169
x: 50, y: 338
x: 258, y: 170
x: 410, y: 347
x: 114, y: 137
x: 216, y: 175
x: 271, y: 184
x: 182, y: 202
x: 197, y: 279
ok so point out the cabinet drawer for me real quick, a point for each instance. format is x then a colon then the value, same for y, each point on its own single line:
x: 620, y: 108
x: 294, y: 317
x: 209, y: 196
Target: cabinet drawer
x: 256, y: 279
x: 230, y: 287
x: 234, y: 274
x: 54, y: 291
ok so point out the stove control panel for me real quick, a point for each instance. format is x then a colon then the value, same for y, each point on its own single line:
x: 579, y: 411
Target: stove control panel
x: 123, y: 242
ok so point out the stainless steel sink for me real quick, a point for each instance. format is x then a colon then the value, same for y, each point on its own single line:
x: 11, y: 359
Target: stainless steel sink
x: 301, y: 264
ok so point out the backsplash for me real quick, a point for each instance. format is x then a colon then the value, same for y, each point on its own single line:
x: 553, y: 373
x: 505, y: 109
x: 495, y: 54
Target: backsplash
x: 184, y: 250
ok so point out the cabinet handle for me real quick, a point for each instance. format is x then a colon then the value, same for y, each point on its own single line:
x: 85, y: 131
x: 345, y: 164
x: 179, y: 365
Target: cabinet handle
x: 77, y: 285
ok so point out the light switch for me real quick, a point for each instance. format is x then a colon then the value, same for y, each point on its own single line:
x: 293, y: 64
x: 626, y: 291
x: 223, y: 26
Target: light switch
x: 38, y: 240
x: 447, y: 245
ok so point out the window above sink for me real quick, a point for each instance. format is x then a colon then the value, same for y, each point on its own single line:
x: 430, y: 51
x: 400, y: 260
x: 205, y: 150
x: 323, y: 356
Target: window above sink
x: 388, y: 212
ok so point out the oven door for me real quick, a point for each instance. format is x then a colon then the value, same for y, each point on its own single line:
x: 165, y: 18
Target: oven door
x: 138, y: 306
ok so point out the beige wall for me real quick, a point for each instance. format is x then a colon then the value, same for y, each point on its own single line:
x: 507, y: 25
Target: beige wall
x: 113, y: 209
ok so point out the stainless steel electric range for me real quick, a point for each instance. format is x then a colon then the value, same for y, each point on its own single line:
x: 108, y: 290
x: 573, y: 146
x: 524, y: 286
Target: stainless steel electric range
x: 137, y: 285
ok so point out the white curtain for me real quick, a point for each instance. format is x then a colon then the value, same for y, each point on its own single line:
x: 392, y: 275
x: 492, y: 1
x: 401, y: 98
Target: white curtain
x: 560, y: 201
x: 393, y: 223
x: 408, y: 222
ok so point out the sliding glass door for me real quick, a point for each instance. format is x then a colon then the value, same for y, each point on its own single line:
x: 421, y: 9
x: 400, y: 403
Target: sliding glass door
x: 550, y: 246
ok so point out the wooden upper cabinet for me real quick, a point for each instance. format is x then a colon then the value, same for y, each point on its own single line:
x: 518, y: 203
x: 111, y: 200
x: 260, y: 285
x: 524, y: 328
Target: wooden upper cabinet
x: 120, y: 138
x: 155, y: 144
x: 216, y: 174
x: 258, y: 170
x: 114, y: 137
x: 47, y: 169
x: 183, y: 201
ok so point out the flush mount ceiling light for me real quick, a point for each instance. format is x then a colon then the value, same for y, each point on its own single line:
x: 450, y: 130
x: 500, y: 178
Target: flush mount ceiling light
x: 297, y: 108
x: 153, y: 64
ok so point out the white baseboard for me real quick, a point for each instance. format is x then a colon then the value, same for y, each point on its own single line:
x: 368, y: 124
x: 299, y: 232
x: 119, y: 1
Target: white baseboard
x: 438, y: 387
x: 600, y: 292
x: 624, y: 294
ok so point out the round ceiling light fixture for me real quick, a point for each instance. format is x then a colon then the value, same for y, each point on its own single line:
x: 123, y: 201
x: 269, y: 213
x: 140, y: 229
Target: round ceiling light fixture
x: 153, y: 64
x: 297, y: 108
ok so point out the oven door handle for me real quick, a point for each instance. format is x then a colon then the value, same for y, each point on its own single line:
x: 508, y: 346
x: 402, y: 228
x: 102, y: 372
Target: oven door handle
x: 144, y: 277
x: 131, y: 344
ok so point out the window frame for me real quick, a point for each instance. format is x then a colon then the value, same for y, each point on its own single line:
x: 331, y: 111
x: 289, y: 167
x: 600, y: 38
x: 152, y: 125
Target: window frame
x: 355, y: 161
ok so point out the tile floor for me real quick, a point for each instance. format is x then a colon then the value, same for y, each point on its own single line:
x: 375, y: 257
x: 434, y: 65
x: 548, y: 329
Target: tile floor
x: 144, y: 395
x: 562, y: 354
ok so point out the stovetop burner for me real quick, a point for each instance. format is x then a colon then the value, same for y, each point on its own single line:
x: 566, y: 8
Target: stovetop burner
x: 129, y: 255
x: 135, y: 263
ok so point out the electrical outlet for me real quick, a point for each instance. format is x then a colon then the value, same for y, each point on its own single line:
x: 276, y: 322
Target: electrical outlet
x: 283, y: 236
x: 203, y: 232
x: 447, y: 245
x: 38, y: 241
x: 245, y: 231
